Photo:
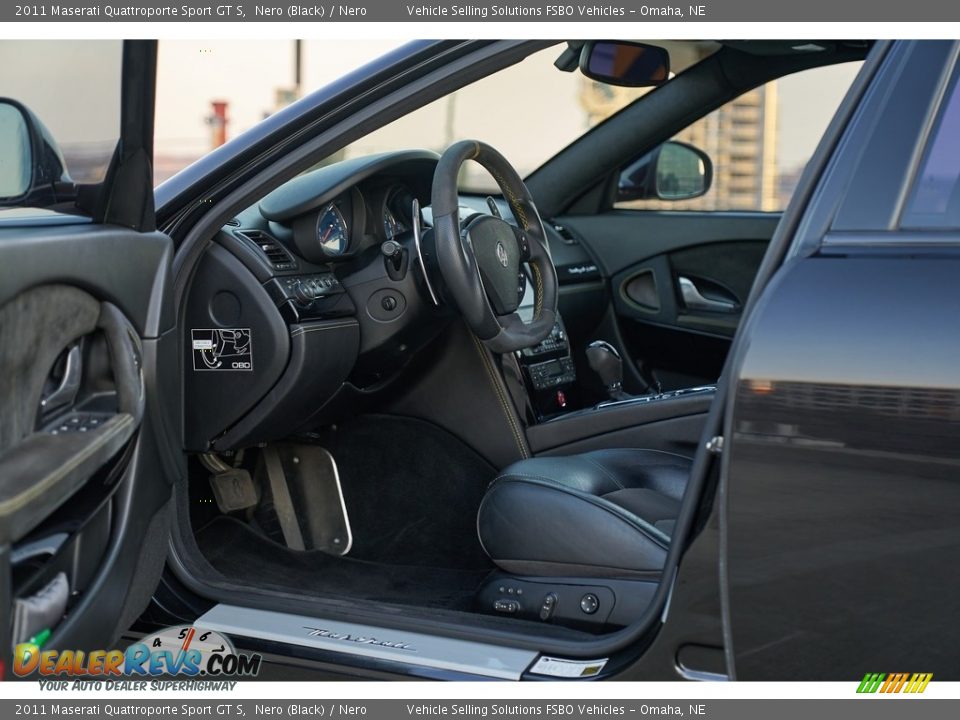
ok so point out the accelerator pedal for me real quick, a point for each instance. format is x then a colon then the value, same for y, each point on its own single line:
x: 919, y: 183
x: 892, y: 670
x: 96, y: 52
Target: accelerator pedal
x: 311, y: 478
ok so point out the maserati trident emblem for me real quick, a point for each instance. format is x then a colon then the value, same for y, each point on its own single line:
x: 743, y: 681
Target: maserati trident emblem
x: 502, y: 254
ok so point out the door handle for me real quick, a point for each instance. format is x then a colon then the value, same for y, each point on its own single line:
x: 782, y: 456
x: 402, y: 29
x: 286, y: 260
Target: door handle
x: 694, y: 299
x: 69, y: 386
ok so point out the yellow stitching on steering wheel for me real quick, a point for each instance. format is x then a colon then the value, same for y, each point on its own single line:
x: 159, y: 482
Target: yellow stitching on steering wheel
x: 538, y: 292
x: 514, y: 200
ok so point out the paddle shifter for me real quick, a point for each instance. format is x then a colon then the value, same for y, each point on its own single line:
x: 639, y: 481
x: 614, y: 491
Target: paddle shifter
x: 606, y: 362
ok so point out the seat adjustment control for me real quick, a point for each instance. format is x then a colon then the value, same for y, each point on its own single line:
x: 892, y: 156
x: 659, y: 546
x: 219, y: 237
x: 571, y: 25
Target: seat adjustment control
x: 511, y: 607
x: 548, y: 606
x: 589, y: 603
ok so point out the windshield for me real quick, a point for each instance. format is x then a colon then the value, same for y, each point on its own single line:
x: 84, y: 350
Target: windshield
x: 529, y: 112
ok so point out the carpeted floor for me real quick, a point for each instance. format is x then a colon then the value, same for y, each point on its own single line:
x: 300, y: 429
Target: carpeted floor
x: 411, y: 490
x: 243, y: 555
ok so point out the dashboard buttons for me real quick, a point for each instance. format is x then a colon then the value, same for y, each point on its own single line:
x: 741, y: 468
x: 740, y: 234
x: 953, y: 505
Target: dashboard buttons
x: 552, y: 373
x: 307, y: 288
x: 303, y: 293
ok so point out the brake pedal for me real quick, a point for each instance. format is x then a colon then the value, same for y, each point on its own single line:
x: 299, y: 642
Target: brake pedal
x: 233, y: 488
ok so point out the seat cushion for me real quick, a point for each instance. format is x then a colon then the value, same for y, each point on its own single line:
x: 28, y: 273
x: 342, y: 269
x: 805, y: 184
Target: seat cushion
x: 607, y: 513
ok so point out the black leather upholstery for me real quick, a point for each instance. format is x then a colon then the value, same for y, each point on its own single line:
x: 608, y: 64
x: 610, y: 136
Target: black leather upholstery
x: 608, y: 513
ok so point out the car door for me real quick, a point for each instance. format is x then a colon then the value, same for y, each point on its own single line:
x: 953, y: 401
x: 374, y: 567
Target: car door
x: 842, y: 454
x: 681, y: 260
x: 86, y: 335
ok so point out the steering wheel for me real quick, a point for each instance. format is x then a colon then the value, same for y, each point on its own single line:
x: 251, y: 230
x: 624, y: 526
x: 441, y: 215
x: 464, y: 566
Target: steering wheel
x: 481, y: 260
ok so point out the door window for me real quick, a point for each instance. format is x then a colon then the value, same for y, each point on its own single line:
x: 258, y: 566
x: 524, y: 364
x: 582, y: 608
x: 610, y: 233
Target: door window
x: 935, y: 198
x: 758, y: 143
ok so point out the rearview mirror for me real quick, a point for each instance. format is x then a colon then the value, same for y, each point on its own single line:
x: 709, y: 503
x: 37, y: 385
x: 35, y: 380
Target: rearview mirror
x: 624, y: 63
x: 30, y: 162
x: 672, y: 171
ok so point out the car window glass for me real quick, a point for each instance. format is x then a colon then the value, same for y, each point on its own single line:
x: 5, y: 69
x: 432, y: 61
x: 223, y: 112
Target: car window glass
x: 935, y: 198
x: 211, y: 91
x: 72, y: 89
x: 760, y: 142
x: 528, y: 111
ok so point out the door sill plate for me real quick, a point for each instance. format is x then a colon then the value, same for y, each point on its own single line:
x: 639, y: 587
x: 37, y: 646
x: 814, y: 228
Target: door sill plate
x: 410, y: 648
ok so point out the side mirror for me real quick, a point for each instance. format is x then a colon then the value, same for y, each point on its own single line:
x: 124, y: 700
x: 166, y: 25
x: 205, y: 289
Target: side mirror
x: 672, y: 171
x: 31, y: 164
x: 624, y: 63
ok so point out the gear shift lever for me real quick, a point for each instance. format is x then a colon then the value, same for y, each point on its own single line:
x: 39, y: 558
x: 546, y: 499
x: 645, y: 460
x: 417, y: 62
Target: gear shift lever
x: 606, y: 362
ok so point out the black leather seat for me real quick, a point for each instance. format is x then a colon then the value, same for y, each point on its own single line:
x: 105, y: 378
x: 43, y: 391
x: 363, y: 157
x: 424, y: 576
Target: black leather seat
x: 607, y: 513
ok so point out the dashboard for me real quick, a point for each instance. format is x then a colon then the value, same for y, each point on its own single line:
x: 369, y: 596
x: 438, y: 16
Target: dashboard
x: 330, y: 288
x: 315, y: 299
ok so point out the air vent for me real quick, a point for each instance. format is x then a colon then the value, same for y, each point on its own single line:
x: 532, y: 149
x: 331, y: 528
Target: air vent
x: 275, y: 253
x: 234, y: 222
x: 568, y: 237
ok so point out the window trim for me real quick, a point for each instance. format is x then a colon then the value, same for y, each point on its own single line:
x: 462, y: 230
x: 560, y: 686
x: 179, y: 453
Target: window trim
x: 949, y: 86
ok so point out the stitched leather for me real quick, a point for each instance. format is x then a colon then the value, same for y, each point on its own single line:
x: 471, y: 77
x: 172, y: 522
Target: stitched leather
x: 501, y: 394
x: 600, y: 514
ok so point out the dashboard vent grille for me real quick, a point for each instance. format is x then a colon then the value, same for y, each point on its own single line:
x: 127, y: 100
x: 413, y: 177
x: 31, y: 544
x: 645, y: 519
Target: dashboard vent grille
x: 234, y: 222
x: 275, y: 253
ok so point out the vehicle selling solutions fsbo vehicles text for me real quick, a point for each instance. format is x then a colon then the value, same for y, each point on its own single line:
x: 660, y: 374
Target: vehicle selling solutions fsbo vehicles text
x: 546, y: 11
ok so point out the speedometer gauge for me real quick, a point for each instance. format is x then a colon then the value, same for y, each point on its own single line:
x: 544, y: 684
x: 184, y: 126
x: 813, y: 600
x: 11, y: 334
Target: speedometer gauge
x: 332, y: 231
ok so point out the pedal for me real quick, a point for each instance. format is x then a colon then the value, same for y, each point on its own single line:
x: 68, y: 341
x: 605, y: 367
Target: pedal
x: 313, y: 476
x: 233, y: 490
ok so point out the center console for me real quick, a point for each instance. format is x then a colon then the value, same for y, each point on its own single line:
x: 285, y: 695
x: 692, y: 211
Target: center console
x: 549, y: 373
x: 563, y: 422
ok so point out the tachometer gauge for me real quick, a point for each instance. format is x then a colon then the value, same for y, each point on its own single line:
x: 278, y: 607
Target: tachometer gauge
x: 332, y: 231
x: 391, y: 226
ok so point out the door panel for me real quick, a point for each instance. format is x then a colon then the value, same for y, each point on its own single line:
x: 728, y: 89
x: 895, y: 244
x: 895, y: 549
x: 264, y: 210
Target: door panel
x: 621, y: 238
x: 678, y: 283
x: 80, y: 477
x: 87, y: 450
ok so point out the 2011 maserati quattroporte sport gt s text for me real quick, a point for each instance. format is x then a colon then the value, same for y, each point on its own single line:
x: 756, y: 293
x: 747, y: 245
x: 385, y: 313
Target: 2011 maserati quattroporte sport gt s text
x: 516, y: 360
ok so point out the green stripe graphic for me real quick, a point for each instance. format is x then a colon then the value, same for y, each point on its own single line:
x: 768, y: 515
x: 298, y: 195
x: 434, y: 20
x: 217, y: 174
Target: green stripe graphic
x: 871, y: 682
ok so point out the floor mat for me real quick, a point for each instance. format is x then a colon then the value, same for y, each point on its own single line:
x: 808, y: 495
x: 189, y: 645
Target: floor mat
x: 412, y: 491
x: 242, y: 555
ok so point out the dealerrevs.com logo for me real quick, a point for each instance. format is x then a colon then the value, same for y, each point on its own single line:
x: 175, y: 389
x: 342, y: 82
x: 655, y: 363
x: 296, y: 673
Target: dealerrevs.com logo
x: 888, y: 683
x: 183, y: 651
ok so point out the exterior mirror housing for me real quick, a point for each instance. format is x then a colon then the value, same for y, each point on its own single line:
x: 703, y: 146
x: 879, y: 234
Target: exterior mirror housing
x: 624, y: 63
x: 671, y: 171
x: 31, y: 165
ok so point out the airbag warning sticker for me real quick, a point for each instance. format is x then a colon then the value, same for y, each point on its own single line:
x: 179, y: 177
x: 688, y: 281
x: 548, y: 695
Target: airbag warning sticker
x: 222, y: 349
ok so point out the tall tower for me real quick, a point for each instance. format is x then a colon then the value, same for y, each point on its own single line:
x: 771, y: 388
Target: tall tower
x: 740, y: 138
